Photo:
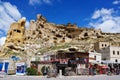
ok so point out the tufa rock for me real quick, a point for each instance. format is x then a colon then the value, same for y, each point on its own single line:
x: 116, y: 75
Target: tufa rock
x: 42, y: 36
x: 15, y: 35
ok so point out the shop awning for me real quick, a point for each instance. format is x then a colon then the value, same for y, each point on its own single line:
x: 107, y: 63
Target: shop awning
x: 104, y: 67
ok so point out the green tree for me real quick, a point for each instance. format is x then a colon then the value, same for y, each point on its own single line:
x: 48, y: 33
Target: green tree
x: 31, y: 71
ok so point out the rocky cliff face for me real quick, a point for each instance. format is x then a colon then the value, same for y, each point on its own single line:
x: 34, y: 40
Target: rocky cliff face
x: 42, y: 37
x: 16, y: 33
x: 15, y: 36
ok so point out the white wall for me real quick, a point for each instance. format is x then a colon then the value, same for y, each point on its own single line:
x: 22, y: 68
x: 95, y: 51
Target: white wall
x: 116, y: 55
x: 98, y: 57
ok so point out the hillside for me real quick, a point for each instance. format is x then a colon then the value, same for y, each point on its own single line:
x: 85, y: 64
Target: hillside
x: 43, y: 37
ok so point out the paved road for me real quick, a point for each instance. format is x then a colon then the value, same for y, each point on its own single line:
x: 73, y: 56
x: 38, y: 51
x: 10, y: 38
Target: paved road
x: 96, y: 77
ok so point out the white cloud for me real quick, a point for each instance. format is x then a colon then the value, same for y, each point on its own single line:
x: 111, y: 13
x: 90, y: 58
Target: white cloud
x: 33, y: 2
x: 39, y: 2
x: 12, y: 11
x: 106, y: 19
x: 47, y: 1
x: 2, y: 40
x: 116, y: 2
x: 96, y: 14
x: 101, y: 13
x: 8, y: 14
x: 27, y: 24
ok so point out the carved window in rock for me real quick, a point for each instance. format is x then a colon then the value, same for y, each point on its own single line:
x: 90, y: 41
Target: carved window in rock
x: 18, y: 41
x: 10, y: 33
x: 40, y: 32
x: 48, y: 36
x: 14, y: 30
x: 69, y: 36
x: 55, y: 38
x: 28, y: 37
x: 33, y: 33
x: 86, y: 34
x: 42, y: 26
x: 25, y: 38
x: 53, y: 31
x: 97, y: 34
x: 58, y: 35
x: 18, y: 31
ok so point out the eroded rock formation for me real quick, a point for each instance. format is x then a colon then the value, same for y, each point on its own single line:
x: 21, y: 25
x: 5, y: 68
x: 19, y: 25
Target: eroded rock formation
x: 16, y: 33
x: 42, y: 36
x: 15, y: 36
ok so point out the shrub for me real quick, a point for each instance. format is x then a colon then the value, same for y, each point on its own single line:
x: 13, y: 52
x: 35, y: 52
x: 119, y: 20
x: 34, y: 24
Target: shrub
x: 31, y: 71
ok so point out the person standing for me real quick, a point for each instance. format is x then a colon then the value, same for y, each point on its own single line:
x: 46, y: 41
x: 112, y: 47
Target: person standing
x: 44, y: 70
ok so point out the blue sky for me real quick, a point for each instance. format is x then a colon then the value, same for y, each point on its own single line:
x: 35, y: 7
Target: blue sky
x: 103, y: 14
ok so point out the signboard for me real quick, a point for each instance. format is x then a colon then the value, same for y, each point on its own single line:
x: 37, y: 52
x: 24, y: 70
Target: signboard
x: 20, y: 68
x: 4, y: 67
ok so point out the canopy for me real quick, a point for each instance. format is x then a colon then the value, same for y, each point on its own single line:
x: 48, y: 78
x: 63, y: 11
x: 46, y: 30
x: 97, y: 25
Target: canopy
x: 104, y: 67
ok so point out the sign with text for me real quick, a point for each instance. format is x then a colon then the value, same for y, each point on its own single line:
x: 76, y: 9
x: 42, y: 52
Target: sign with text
x: 20, y: 68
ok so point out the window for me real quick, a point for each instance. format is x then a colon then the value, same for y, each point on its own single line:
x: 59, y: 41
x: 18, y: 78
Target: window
x: 86, y: 34
x: 18, y: 40
x: 105, y: 45
x: 117, y: 52
x: 113, y: 52
x: 18, y: 31
x: 14, y: 30
x: 116, y: 60
x: 102, y: 45
x: 33, y: 33
x: 10, y: 33
x: 97, y: 34
x: 95, y: 57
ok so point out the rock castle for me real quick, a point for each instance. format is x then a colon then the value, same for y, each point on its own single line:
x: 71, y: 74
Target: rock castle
x: 45, y: 38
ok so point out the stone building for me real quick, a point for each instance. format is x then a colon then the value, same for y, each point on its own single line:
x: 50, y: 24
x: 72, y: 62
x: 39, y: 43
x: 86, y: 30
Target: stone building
x: 95, y: 57
x: 100, y: 45
x: 42, y: 36
x: 111, y: 54
x: 103, y: 44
